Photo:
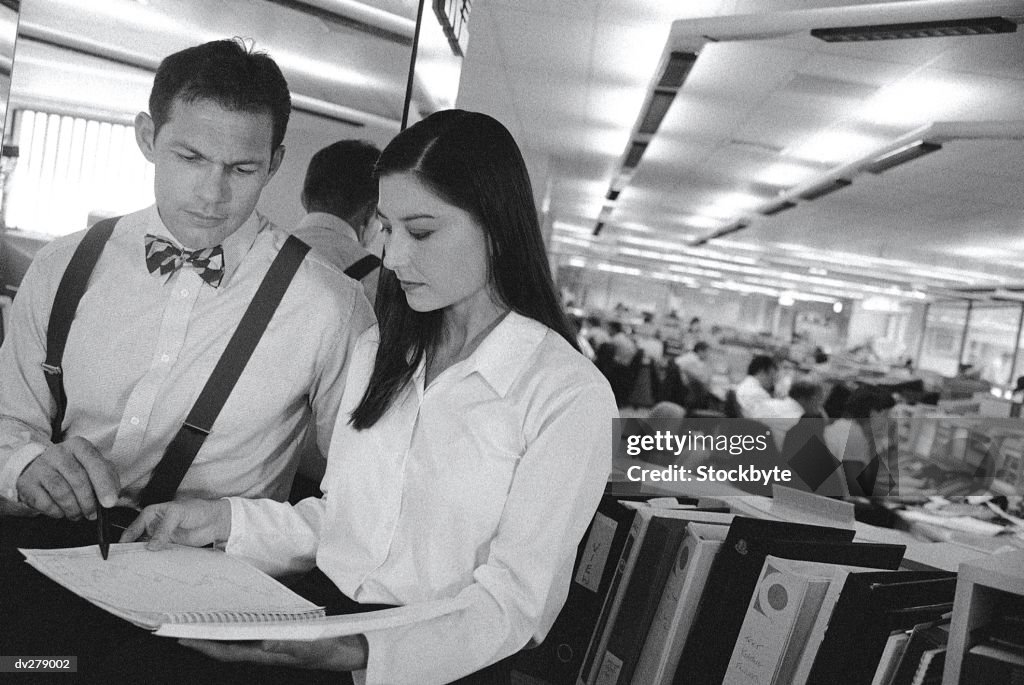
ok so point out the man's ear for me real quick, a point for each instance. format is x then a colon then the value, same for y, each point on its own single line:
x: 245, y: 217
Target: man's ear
x: 145, y: 135
x: 275, y: 162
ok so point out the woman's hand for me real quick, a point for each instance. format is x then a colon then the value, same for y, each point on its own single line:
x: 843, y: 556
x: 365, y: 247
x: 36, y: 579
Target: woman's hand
x: 347, y: 653
x: 193, y: 522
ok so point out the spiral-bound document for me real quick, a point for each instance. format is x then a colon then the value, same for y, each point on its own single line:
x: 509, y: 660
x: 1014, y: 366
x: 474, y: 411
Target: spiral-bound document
x: 207, y: 594
x: 176, y: 585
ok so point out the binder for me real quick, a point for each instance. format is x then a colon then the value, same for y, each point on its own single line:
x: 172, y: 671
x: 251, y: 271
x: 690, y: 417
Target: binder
x: 613, y: 602
x: 640, y: 600
x: 557, y: 660
x: 734, y: 575
x: 678, y: 606
x: 870, y: 607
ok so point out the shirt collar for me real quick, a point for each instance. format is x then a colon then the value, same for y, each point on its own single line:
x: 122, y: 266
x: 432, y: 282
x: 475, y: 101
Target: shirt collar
x: 235, y: 246
x: 505, y: 353
x: 330, y: 221
x: 500, y: 359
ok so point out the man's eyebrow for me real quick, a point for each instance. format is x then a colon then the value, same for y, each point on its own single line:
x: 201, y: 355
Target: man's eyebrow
x: 199, y: 153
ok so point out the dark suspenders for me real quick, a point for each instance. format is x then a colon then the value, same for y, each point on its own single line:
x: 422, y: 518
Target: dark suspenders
x: 185, y: 445
x: 65, y: 303
x: 362, y: 268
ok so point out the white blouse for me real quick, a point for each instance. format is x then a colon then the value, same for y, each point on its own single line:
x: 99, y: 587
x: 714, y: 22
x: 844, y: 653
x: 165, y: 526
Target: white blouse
x: 479, y: 486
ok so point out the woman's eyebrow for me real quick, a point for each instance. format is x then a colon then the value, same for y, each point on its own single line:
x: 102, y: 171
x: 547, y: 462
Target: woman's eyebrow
x: 410, y: 217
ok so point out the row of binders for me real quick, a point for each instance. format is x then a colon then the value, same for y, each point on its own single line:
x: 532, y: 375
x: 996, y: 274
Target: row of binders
x: 683, y: 595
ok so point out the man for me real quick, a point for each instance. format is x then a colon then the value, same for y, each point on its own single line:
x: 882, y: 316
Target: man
x: 695, y: 363
x: 155, y: 320
x: 340, y: 198
x: 762, y: 373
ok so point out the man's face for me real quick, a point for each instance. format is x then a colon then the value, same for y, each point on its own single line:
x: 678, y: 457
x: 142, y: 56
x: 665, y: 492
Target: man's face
x: 768, y: 379
x: 211, y: 166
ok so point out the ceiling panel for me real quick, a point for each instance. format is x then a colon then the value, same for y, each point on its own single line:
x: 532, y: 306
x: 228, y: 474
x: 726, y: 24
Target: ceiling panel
x: 745, y: 121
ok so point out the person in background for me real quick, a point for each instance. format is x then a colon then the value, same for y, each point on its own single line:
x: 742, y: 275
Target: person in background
x: 694, y: 364
x: 339, y: 195
x: 471, y: 453
x: 757, y: 386
x: 863, y: 439
x: 581, y: 338
x: 804, y: 398
x: 595, y: 332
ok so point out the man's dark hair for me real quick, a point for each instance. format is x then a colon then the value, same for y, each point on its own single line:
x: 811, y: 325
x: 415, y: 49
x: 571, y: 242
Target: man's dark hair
x: 761, y: 363
x: 228, y: 73
x: 804, y: 390
x: 340, y: 180
x: 699, y: 346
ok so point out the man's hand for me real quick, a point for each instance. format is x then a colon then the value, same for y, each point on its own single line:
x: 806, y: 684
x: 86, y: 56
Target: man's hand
x: 67, y: 479
x: 347, y: 653
x: 192, y: 522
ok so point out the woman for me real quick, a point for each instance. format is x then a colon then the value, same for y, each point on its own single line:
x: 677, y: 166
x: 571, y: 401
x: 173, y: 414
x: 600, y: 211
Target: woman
x: 864, y: 440
x: 474, y: 457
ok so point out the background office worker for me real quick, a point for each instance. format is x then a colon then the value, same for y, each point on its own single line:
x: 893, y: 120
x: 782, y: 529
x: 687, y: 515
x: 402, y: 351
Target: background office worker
x: 146, y: 335
x: 339, y: 195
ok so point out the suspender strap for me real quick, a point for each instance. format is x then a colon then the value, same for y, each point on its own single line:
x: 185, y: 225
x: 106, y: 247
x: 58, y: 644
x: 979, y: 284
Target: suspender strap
x: 362, y: 268
x: 65, y: 303
x: 185, y: 445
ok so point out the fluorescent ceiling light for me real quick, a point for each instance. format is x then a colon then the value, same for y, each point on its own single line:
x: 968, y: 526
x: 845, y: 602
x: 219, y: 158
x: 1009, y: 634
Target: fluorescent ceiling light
x: 917, y: 101
x: 698, y: 221
x: 922, y: 29
x: 833, y: 147
x: 901, y: 155
x: 738, y: 201
x: 784, y: 174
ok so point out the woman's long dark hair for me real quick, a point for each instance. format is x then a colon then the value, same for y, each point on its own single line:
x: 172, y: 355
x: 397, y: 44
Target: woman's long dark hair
x: 472, y: 162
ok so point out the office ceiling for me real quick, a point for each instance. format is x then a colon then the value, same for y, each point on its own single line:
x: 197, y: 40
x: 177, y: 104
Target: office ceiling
x: 343, y: 59
x: 766, y: 111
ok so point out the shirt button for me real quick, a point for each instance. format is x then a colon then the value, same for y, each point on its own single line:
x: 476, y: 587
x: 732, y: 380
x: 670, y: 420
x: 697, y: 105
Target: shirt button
x: 184, y: 292
x: 165, y: 358
x: 135, y: 420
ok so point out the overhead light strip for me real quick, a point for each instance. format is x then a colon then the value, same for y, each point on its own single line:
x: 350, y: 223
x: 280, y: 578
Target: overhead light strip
x: 921, y: 29
x: 901, y: 155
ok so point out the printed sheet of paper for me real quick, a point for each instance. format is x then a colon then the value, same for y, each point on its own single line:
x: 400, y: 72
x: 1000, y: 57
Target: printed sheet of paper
x: 318, y: 628
x: 149, y: 587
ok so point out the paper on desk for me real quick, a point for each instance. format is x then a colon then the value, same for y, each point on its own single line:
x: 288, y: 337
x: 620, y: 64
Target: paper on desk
x: 963, y: 523
x: 318, y: 628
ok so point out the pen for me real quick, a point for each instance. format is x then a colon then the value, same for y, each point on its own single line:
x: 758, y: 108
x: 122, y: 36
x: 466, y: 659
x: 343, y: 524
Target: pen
x: 104, y: 531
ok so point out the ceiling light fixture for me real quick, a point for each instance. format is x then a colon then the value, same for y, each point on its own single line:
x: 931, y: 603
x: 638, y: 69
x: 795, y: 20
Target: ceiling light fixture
x: 777, y: 207
x: 901, y: 155
x: 733, y: 227
x: 922, y: 29
x: 674, y: 70
x: 634, y: 153
x: 821, y: 189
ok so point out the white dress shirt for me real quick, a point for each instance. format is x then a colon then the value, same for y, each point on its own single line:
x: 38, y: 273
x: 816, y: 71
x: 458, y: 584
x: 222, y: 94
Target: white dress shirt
x: 142, y: 346
x: 479, y: 485
x: 750, y: 394
x: 337, y: 242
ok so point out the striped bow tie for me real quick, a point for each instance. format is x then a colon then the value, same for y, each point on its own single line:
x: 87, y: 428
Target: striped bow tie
x: 165, y: 257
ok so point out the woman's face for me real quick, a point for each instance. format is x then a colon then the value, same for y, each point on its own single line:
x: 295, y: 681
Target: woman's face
x: 437, y: 250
